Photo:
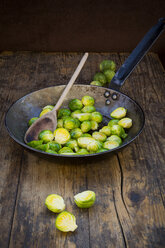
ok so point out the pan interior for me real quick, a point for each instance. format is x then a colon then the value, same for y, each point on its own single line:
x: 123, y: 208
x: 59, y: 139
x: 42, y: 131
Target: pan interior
x: 31, y: 105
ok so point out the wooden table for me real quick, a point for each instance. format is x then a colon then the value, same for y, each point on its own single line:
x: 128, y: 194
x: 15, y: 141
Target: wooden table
x: 130, y: 186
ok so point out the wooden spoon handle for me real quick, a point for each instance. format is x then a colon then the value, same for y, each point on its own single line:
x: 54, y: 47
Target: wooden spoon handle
x: 71, y: 82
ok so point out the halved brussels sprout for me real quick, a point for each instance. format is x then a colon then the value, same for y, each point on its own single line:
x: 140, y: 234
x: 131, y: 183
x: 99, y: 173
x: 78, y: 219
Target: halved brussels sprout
x: 72, y: 144
x: 55, y: 203
x: 74, y: 113
x: 106, y: 130
x: 119, y: 113
x: 109, y: 75
x: 97, y: 83
x: 88, y: 100
x: 107, y: 64
x: 88, y: 109
x: 69, y: 123
x: 93, y: 146
x: 75, y: 133
x: 75, y: 104
x: 63, y: 112
x: 65, y: 150
x: 51, y: 151
x: 83, y: 116
x: 86, y: 135
x: 85, y: 199
x: 94, y: 125
x: 42, y: 147
x: 102, y: 150
x: 53, y: 145
x: 46, y: 136
x: 115, y: 138
x: 99, y: 136
x: 32, y: 120
x: 66, y: 222
x: 82, y: 151
x: 61, y: 135
x: 125, y: 122
x: 45, y: 111
x: 84, y: 141
x: 51, y: 107
x: 118, y: 130
x: 60, y: 123
x: 96, y: 116
x: 99, y: 76
x: 110, y: 144
x: 113, y: 122
x: 85, y: 126
x: 35, y: 143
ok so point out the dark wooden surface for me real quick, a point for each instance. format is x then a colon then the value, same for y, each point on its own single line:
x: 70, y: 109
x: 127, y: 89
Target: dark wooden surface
x: 130, y: 186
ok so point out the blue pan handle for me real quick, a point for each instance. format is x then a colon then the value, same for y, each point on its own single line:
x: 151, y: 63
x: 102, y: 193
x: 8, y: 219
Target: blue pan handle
x: 136, y: 55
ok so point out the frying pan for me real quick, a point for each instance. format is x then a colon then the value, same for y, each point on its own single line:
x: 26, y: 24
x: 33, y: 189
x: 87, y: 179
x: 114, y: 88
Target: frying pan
x: 106, y: 99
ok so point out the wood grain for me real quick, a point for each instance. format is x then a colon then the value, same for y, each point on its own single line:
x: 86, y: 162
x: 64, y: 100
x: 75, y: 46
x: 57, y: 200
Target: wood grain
x: 129, y: 208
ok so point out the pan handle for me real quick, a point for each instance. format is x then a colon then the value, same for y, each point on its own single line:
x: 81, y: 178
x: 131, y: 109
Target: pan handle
x: 137, y: 54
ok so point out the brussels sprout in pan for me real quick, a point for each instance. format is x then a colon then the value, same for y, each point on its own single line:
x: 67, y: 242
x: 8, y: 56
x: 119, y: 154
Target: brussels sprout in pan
x: 118, y: 130
x: 110, y: 145
x: 74, y: 113
x: 125, y: 122
x: 115, y: 138
x: 62, y: 135
x: 65, y: 150
x: 75, y: 104
x: 94, y: 125
x: 119, y: 113
x: 88, y: 101
x: 72, y: 144
x: 99, y: 136
x: 51, y: 107
x: 76, y: 133
x: 106, y: 130
x: 85, y: 126
x: 60, y: 123
x: 63, y: 112
x: 46, y: 136
x: 42, y: 147
x: 35, y: 143
x: 88, y: 109
x: 54, y: 146
x: 83, y: 116
x: 32, y: 120
x: 86, y: 135
x: 45, y: 111
x: 50, y: 151
x: 97, y: 83
x: 96, y: 116
x: 82, y: 151
x: 113, y: 122
x: 84, y: 141
x: 69, y: 123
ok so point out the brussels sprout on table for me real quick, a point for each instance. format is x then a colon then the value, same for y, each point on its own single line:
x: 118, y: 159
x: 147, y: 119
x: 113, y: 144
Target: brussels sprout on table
x: 88, y: 101
x: 85, y: 199
x: 66, y: 222
x: 107, y: 65
x: 119, y: 113
x: 125, y: 122
x: 32, y: 120
x: 99, y: 76
x: 55, y: 203
x: 75, y: 104
x: 109, y: 74
x: 46, y: 136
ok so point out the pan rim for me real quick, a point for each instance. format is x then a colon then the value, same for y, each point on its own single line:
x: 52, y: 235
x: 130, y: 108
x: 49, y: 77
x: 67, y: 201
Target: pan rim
x: 75, y: 156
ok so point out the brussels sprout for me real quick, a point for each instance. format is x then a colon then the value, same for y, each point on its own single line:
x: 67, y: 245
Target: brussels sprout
x: 61, y: 135
x: 93, y: 146
x: 60, y: 123
x: 86, y: 135
x: 119, y: 113
x: 65, y: 150
x: 109, y: 75
x: 63, y: 112
x: 85, y: 199
x: 77, y: 122
x: 85, y: 126
x: 74, y: 113
x: 55, y: 203
x: 54, y: 146
x: 107, y: 64
x: 84, y: 116
x: 88, y: 100
x: 35, y: 143
x: 84, y: 141
x: 43, y: 112
x: 51, y: 107
x: 69, y: 123
x: 110, y: 144
x: 99, y: 76
x: 88, y: 109
x: 82, y: 151
x: 51, y: 151
x: 102, y: 150
x: 46, y: 136
x: 118, y: 130
x: 112, y: 122
x: 72, y: 144
x: 97, y: 83
x: 66, y: 222
x: 75, y: 133
x: 125, y: 122
x: 94, y: 125
x: 32, y: 120
x: 115, y: 138
x: 96, y: 116
x: 42, y: 147
x: 106, y: 130
x: 75, y: 104
x: 99, y: 136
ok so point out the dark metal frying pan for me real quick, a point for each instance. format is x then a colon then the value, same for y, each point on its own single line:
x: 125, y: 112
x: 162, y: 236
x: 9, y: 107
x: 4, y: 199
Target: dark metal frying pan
x: 106, y: 99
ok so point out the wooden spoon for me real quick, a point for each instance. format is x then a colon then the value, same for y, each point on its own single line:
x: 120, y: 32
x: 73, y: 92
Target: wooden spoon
x: 49, y: 120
